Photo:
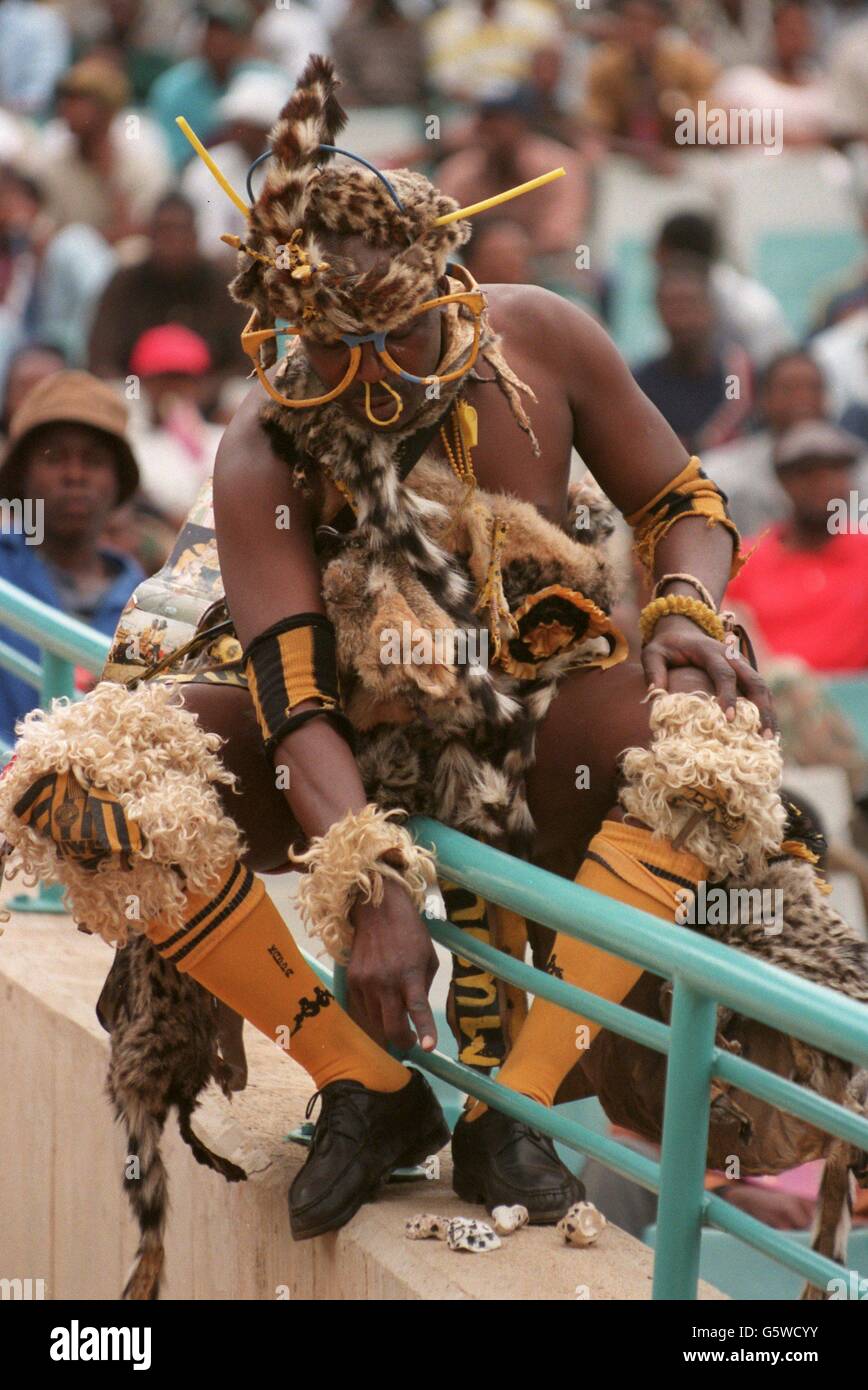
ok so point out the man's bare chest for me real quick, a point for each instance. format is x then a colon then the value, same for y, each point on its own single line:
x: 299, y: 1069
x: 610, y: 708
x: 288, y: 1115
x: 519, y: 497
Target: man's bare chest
x: 504, y: 459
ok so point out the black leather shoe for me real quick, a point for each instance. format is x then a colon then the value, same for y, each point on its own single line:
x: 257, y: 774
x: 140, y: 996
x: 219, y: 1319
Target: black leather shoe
x: 360, y: 1137
x: 503, y: 1162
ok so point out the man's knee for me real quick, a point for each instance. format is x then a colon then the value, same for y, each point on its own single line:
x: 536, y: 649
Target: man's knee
x: 256, y: 803
x: 574, y: 781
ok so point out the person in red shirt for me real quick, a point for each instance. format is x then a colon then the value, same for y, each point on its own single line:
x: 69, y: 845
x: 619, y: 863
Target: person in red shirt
x: 806, y: 583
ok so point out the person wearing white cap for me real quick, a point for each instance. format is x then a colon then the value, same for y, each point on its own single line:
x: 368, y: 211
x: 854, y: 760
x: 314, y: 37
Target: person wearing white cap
x: 247, y: 112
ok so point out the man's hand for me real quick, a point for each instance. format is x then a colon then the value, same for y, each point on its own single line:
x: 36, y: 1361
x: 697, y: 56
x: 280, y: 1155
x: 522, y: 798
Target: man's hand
x: 702, y: 663
x: 392, y: 966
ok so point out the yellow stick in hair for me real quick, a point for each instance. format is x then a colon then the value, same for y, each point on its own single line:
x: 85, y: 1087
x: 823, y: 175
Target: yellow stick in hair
x: 499, y: 198
x: 211, y: 166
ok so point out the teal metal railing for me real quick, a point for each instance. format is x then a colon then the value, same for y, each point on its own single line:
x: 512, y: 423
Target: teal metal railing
x: 64, y: 644
x: 704, y: 974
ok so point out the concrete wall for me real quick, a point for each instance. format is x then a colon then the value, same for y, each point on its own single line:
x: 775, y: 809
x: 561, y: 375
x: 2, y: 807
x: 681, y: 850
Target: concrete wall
x: 64, y: 1218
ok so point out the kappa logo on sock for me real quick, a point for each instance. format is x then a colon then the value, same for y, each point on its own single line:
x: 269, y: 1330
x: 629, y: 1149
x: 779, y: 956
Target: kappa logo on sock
x: 281, y: 960
x: 309, y: 1008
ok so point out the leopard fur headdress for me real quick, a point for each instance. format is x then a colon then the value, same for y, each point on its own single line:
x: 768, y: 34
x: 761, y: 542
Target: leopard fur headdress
x: 284, y: 271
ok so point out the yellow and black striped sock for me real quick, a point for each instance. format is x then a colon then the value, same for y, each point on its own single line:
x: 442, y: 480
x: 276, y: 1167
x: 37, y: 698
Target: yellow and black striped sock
x: 235, y: 943
x: 623, y: 862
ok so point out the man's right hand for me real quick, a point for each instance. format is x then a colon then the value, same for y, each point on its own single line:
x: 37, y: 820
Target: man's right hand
x: 391, y: 968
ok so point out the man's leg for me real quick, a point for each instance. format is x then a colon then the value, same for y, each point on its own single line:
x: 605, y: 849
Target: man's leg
x: 224, y: 932
x: 572, y: 788
x: 235, y: 942
x: 572, y: 791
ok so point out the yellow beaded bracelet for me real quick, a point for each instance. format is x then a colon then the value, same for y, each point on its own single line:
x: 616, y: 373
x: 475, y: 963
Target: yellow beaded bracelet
x: 692, y: 608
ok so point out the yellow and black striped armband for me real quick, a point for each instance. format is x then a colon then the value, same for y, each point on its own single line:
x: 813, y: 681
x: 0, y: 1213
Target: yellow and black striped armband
x: 690, y: 493
x: 291, y: 662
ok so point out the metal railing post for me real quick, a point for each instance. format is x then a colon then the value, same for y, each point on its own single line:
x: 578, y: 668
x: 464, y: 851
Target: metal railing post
x: 58, y: 678
x: 681, y: 1206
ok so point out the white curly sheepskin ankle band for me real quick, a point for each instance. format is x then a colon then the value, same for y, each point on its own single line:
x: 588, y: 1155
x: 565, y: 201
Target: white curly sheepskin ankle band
x: 144, y: 749
x: 709, y: 783
x: 353, y: 859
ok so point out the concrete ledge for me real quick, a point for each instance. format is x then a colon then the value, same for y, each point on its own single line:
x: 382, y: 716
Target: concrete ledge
x: 64, y: 1218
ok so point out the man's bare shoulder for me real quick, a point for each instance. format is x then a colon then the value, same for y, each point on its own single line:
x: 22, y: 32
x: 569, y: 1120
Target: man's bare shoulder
x: 552, y: 329
x: 245, y: 442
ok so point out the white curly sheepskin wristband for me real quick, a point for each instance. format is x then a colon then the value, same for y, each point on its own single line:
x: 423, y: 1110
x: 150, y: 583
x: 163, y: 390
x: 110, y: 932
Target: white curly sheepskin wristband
x: 353, y: 859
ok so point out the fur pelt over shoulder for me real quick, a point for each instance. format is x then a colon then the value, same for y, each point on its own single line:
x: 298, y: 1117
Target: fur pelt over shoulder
x: 440, y: 734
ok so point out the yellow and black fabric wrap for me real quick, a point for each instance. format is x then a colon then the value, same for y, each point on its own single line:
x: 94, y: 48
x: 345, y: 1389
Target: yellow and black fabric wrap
x: 87, y: 824
x: 293, y: 661
x: 690, y: 493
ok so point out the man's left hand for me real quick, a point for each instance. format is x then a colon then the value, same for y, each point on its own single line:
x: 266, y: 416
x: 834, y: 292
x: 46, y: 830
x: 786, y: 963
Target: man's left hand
x: 681, y: 658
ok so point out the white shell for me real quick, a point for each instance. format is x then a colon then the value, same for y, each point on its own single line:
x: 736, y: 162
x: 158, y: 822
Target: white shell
x: 509, y: 1219
x: 423, y: 1227
x: 467, y: 1234
x: 435, y: 904
x: 582, y: 1225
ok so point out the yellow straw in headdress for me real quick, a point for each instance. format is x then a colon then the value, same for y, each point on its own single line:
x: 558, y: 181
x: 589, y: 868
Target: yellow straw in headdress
x: 211, y: 165
x: 443, y: 221
x: 500, y: 198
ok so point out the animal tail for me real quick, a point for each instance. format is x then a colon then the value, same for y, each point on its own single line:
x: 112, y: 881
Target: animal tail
x: 834, y: 1213
x: 147, y: 1189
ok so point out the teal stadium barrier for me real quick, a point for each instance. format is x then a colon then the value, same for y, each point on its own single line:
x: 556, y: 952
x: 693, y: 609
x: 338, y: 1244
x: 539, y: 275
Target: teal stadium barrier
x: 704, y: 974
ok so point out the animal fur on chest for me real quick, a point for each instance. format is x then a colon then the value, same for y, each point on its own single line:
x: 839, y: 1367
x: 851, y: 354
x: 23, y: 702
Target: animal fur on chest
x: 443, y: 728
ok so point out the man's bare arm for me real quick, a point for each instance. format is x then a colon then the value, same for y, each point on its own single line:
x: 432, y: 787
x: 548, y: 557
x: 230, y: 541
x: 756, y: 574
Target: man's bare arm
x: 270, y: 572
x: 633, y: 453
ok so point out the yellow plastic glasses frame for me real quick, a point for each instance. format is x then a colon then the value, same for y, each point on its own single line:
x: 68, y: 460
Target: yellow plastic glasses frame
x: 253, y: 338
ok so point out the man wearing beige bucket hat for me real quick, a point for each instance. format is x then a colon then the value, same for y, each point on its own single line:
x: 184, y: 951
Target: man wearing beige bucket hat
x: 67, y: 467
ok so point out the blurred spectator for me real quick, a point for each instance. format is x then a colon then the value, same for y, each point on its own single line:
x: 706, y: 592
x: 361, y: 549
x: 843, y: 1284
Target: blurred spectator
x: 732, y: 31
x: 503, y: 151
x: 806, y: 583
x: 100, y: 164
x: 848, y: 293
x: 701, y: 386
x: 68, y: 459
x: 842, y: 352
x: 194, y: 87
x: 125, y: 34
x: 139, y: 529
x: 637, y: 83
x: 379, y: 55
x: 477, y: 49
x: 848, y: 81
x: 34, y: 50
x: 555, y: 82
x: 24, y: 229
x: 749, y: 313
x: 174, y: 443
x: 247, y: 113
x: 165, y: 24
x: 500, y: 252
x: 175, y: 284
x: 792, y: 389
x: 27, y: 367
x: 287, y: 34
x: 790, y: 83
x: 49, y: 280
